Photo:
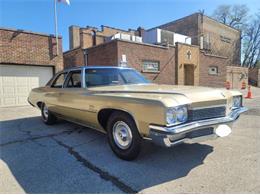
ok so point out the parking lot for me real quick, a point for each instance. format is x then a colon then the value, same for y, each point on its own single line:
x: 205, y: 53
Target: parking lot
x: 67, y: 158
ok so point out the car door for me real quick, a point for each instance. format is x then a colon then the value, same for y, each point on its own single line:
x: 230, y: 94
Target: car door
x: 52, y: 96
x: 74, y: 99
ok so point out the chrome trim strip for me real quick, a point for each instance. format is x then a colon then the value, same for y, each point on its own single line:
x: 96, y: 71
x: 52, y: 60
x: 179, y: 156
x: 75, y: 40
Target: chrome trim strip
x: 186, y: 127
x: 125, y: 91
x: 205, y: 107
x: 66, y: 107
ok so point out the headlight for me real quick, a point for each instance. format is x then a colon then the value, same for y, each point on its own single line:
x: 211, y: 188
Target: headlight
x: 237, y: 102
x: 182, y: 114
x: 171, y: 116
x: 177, y: 115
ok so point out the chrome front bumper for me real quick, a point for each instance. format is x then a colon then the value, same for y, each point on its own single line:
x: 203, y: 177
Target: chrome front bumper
x: 191, y: 132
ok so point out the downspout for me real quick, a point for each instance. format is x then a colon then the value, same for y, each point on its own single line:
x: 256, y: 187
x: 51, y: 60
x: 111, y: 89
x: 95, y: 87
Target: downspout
x: 85, y: 52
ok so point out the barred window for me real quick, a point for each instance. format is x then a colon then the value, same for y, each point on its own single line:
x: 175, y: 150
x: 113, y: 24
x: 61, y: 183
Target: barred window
x: 150, y: 66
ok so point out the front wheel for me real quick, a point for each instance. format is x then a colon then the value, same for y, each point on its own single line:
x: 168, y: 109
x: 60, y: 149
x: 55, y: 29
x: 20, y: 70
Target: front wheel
x: 47, y: 117
x: 123, y: 136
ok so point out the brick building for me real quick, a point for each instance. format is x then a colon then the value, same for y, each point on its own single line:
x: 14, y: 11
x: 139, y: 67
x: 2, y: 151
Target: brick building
x: 27, y: 60
x: 187, y: 51
x: 213, y: 37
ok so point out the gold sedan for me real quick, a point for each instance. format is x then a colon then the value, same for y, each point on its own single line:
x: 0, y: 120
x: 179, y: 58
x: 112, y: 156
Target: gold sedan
x: 122, y: 103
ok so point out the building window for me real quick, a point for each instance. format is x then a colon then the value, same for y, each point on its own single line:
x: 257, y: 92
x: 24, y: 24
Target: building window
x: 213, y: 70
x: 150, y: 66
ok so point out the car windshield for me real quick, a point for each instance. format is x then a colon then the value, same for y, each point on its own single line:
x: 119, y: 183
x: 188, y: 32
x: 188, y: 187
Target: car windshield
x: 113, y: 76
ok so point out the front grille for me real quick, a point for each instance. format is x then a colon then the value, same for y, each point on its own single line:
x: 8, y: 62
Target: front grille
x: 207, y: 113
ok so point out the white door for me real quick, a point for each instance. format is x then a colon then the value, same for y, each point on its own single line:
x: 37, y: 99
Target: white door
x: 16, y: 81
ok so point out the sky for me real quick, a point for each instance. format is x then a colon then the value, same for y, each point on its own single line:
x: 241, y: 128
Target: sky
x: 38, y: 15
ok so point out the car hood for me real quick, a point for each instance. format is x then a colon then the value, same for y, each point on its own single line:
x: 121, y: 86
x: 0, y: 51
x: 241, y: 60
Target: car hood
x: 170, y: 95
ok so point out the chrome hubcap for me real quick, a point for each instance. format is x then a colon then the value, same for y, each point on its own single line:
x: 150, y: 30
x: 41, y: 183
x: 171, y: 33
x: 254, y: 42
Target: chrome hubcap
x: 122, y: 135
x: 45, y: 111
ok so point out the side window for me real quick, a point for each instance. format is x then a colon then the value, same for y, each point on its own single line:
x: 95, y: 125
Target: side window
x: 59, y: 81
x: 74, y: 80
x: 102, y: 77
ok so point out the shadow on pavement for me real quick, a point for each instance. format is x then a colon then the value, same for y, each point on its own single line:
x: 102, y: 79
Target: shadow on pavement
x: 43, y: 166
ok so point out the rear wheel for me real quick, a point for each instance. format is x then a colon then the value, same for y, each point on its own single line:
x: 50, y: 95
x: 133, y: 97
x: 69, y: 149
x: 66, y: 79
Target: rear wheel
x: 47, y: 117
x: 123, y: 136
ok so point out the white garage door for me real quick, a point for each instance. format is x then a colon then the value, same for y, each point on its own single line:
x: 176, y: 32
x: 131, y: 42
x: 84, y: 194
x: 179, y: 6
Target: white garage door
x: 16, y: 81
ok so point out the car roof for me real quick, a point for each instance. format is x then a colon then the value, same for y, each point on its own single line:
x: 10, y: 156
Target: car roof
x: 94, y: 67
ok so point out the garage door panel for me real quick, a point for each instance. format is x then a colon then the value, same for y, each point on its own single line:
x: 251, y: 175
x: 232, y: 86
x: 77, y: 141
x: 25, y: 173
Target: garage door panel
x: 8, y: 80
x: 9, y: 101
x: 1, y: 89
x: 16, y: 81
x: 21, y: 100
x: 21, y: 81
x: 34, y: 82
x: 20, y: 91
x: 8, y: 91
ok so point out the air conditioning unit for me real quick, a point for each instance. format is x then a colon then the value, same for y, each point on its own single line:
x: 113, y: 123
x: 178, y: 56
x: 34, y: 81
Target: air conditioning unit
x: 163, y: 37
x: 181, y: 39
x: 167, y: 37
x: 125, y: 37
x: 116, y: 36
x: 152, y: 36
x: 136, y: 39
x: 119, y: 36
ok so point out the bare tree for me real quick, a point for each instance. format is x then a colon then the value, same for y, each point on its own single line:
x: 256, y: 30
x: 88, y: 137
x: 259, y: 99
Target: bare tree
x: 251, y: 42
x: 235, y: 16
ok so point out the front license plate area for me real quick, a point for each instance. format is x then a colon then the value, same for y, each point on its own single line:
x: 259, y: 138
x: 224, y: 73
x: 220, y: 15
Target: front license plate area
x: 200, y: 132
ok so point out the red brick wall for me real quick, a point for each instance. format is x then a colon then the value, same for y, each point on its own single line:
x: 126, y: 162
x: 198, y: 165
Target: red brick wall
x: 111, y: 53
x: 74, y: 58
x: 103, y: 54
x: 136, y: 53
x: 212, y: 80
x: 109, y: 31
x: 20, y: 47
x: 91, y: 36
x: 86, y: 39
